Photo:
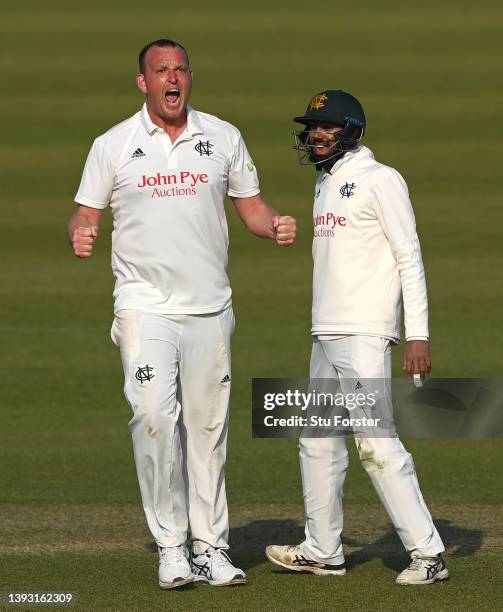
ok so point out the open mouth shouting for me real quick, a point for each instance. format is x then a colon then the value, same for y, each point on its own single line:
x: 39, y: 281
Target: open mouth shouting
x: 172, y: 95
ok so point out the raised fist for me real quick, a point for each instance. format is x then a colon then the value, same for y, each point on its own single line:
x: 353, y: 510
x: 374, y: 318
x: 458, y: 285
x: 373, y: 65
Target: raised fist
x: 285, y: 229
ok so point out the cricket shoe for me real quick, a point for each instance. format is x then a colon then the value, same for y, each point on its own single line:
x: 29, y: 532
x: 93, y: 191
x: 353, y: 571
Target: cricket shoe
x: 294, y: 558
x: 174, y: 568
x: 424, y: 570
x: 215, y: 567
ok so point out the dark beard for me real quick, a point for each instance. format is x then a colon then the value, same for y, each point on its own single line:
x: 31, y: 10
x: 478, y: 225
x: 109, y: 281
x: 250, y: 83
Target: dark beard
x: 326, y: 163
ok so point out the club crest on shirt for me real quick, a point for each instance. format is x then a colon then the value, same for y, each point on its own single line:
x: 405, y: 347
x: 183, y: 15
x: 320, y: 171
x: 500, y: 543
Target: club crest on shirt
x: 347, y: 190
x: 203, y: 147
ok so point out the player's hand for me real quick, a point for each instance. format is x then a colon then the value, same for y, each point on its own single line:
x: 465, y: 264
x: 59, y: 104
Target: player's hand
x: 83, y: 240
x: 417, y: 358
x: 285, y: 230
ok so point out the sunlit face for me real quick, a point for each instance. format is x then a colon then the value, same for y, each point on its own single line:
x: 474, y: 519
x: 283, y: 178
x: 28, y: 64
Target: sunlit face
x: 322, y: 138
x: 166, y: 82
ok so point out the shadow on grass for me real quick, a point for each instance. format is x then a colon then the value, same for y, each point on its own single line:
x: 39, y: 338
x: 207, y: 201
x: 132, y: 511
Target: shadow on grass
x: 459, y: 541
x: 248, y: 543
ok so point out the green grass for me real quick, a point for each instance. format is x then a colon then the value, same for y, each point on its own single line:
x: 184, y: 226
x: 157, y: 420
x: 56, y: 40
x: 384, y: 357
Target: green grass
x: 429, y: 77
x: 105, y: 555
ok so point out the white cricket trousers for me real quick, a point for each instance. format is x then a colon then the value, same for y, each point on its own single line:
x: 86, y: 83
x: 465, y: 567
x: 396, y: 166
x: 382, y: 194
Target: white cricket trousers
x: 324, y: 461
x: 177, y: 372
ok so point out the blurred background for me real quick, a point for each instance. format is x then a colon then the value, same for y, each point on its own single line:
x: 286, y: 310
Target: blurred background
x: 429, y: 78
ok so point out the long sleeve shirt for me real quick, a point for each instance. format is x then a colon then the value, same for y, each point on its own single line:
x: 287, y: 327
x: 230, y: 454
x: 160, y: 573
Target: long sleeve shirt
x: 366, y: 252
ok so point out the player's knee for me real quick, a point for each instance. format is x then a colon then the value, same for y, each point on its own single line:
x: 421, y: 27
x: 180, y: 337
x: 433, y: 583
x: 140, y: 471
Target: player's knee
x: 153, y: 418
x: 329, y: 449
x: 394, y: 461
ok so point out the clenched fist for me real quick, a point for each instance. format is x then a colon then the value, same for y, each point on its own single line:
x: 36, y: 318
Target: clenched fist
x: 83, y: 239
x: 285, y: 230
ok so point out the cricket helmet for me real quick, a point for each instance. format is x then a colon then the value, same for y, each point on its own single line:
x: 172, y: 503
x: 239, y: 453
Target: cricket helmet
x: 331, y: 107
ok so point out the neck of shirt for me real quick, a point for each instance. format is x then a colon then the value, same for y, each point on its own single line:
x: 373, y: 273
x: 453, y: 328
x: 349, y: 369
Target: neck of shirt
x: 172, y: 130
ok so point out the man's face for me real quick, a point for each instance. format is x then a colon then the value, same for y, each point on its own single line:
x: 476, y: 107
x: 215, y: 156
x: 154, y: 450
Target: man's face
x: 321, y: 137
x: 166, y: 82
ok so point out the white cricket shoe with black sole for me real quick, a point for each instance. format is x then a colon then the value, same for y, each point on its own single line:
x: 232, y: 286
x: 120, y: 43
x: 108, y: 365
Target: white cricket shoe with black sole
x: 424, y: 570
x: 294, y: 558
x: 214, y: 567
x: 174, y: 568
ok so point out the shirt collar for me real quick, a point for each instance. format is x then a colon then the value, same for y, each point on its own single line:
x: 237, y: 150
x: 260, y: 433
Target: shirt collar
x: 193, y: 123
x: 357, y: 153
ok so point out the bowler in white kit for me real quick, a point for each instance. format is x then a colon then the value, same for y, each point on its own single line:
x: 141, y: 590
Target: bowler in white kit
x: 367, y: 259
x: 165, y: 173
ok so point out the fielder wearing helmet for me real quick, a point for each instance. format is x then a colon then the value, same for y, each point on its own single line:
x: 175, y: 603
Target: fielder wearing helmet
x: 366, y: 262
x: 334, y: 124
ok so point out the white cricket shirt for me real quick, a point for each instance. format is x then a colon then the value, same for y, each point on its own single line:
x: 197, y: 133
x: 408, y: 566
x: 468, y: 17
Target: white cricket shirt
x: 170, y: 239
x: 366, y: 252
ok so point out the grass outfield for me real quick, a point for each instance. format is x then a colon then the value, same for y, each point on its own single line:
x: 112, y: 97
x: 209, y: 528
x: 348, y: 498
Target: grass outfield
x: 429, y: 78
x: 84, y: 548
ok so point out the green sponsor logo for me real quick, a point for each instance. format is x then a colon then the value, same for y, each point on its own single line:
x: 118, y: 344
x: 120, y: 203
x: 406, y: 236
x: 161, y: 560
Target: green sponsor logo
x: 250, y: 166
